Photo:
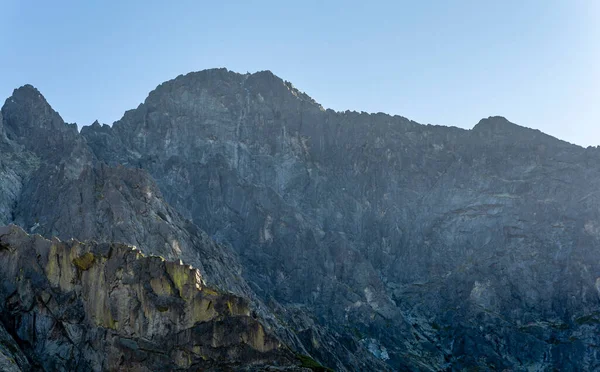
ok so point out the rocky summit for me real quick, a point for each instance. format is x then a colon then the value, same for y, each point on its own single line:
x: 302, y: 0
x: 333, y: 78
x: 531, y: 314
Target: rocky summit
x: 274, y: 234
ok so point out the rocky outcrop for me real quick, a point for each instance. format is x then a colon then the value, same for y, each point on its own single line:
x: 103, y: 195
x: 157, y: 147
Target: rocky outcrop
x: 98, y: 306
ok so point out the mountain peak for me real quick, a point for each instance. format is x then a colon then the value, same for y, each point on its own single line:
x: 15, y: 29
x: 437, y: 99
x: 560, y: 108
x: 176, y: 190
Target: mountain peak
x: 495, y: 124
x: 28, y: 95
x: 501, y: 129
x: 27, y: 90
x: 221, y: 82
x: 27, y: 110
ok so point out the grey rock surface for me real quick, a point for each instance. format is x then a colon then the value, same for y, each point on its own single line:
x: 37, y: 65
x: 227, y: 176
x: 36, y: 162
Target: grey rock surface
x: 12, y: 358
x: 435, y: 247
x: 81, y: 306
x: 368, y: 241
x: 55, y: 186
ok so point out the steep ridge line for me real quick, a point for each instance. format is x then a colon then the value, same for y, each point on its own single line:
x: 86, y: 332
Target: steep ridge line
x: 108, y: 306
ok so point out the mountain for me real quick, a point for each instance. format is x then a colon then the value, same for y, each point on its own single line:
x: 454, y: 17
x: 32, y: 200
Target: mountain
x: 367, y: 241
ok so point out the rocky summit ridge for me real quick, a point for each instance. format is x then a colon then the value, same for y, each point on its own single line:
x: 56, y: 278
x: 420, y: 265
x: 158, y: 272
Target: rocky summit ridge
x: 349, y: 240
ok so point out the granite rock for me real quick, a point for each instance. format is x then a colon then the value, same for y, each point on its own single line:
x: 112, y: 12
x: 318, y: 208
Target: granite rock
x: 78, y: 306
x: 367, y: 241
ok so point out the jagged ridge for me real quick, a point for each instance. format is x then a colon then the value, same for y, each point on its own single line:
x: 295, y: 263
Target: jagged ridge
x: 377, y: 242
x: 104, y: 306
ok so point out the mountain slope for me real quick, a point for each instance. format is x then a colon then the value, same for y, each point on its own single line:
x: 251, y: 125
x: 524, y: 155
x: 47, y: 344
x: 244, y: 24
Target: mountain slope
x: 368, y: 241
x: 416, y: 240
x: 54, y: 185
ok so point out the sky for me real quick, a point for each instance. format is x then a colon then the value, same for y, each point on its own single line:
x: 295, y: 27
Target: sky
x: 446, y: 62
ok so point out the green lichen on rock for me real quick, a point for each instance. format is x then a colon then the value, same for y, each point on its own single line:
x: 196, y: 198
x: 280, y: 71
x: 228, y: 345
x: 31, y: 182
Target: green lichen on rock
x: 84, y: 262
x: 161, y: 286
x: 209, y: 291
x: 113, y: 324
x: 179, y: 275
x: 308, y: 362
x: 122, y: 295
x: 201, y: 310
x: 52, y: 268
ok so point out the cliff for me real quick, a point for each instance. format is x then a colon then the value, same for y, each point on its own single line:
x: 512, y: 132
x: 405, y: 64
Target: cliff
x: 367, y: 241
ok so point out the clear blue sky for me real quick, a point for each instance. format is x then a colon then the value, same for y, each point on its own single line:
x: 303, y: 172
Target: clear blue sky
x: 537, y: 62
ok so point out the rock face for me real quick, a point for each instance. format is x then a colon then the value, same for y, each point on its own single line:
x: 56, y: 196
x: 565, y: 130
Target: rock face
x: 368, y: 241
x: 55, y: 186
x: 97, y: 306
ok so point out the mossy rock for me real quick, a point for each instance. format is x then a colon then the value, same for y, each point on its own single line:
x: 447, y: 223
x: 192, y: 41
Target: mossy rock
x: 209, y: 291
x: 84, y: 262
x: 308, y: 362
